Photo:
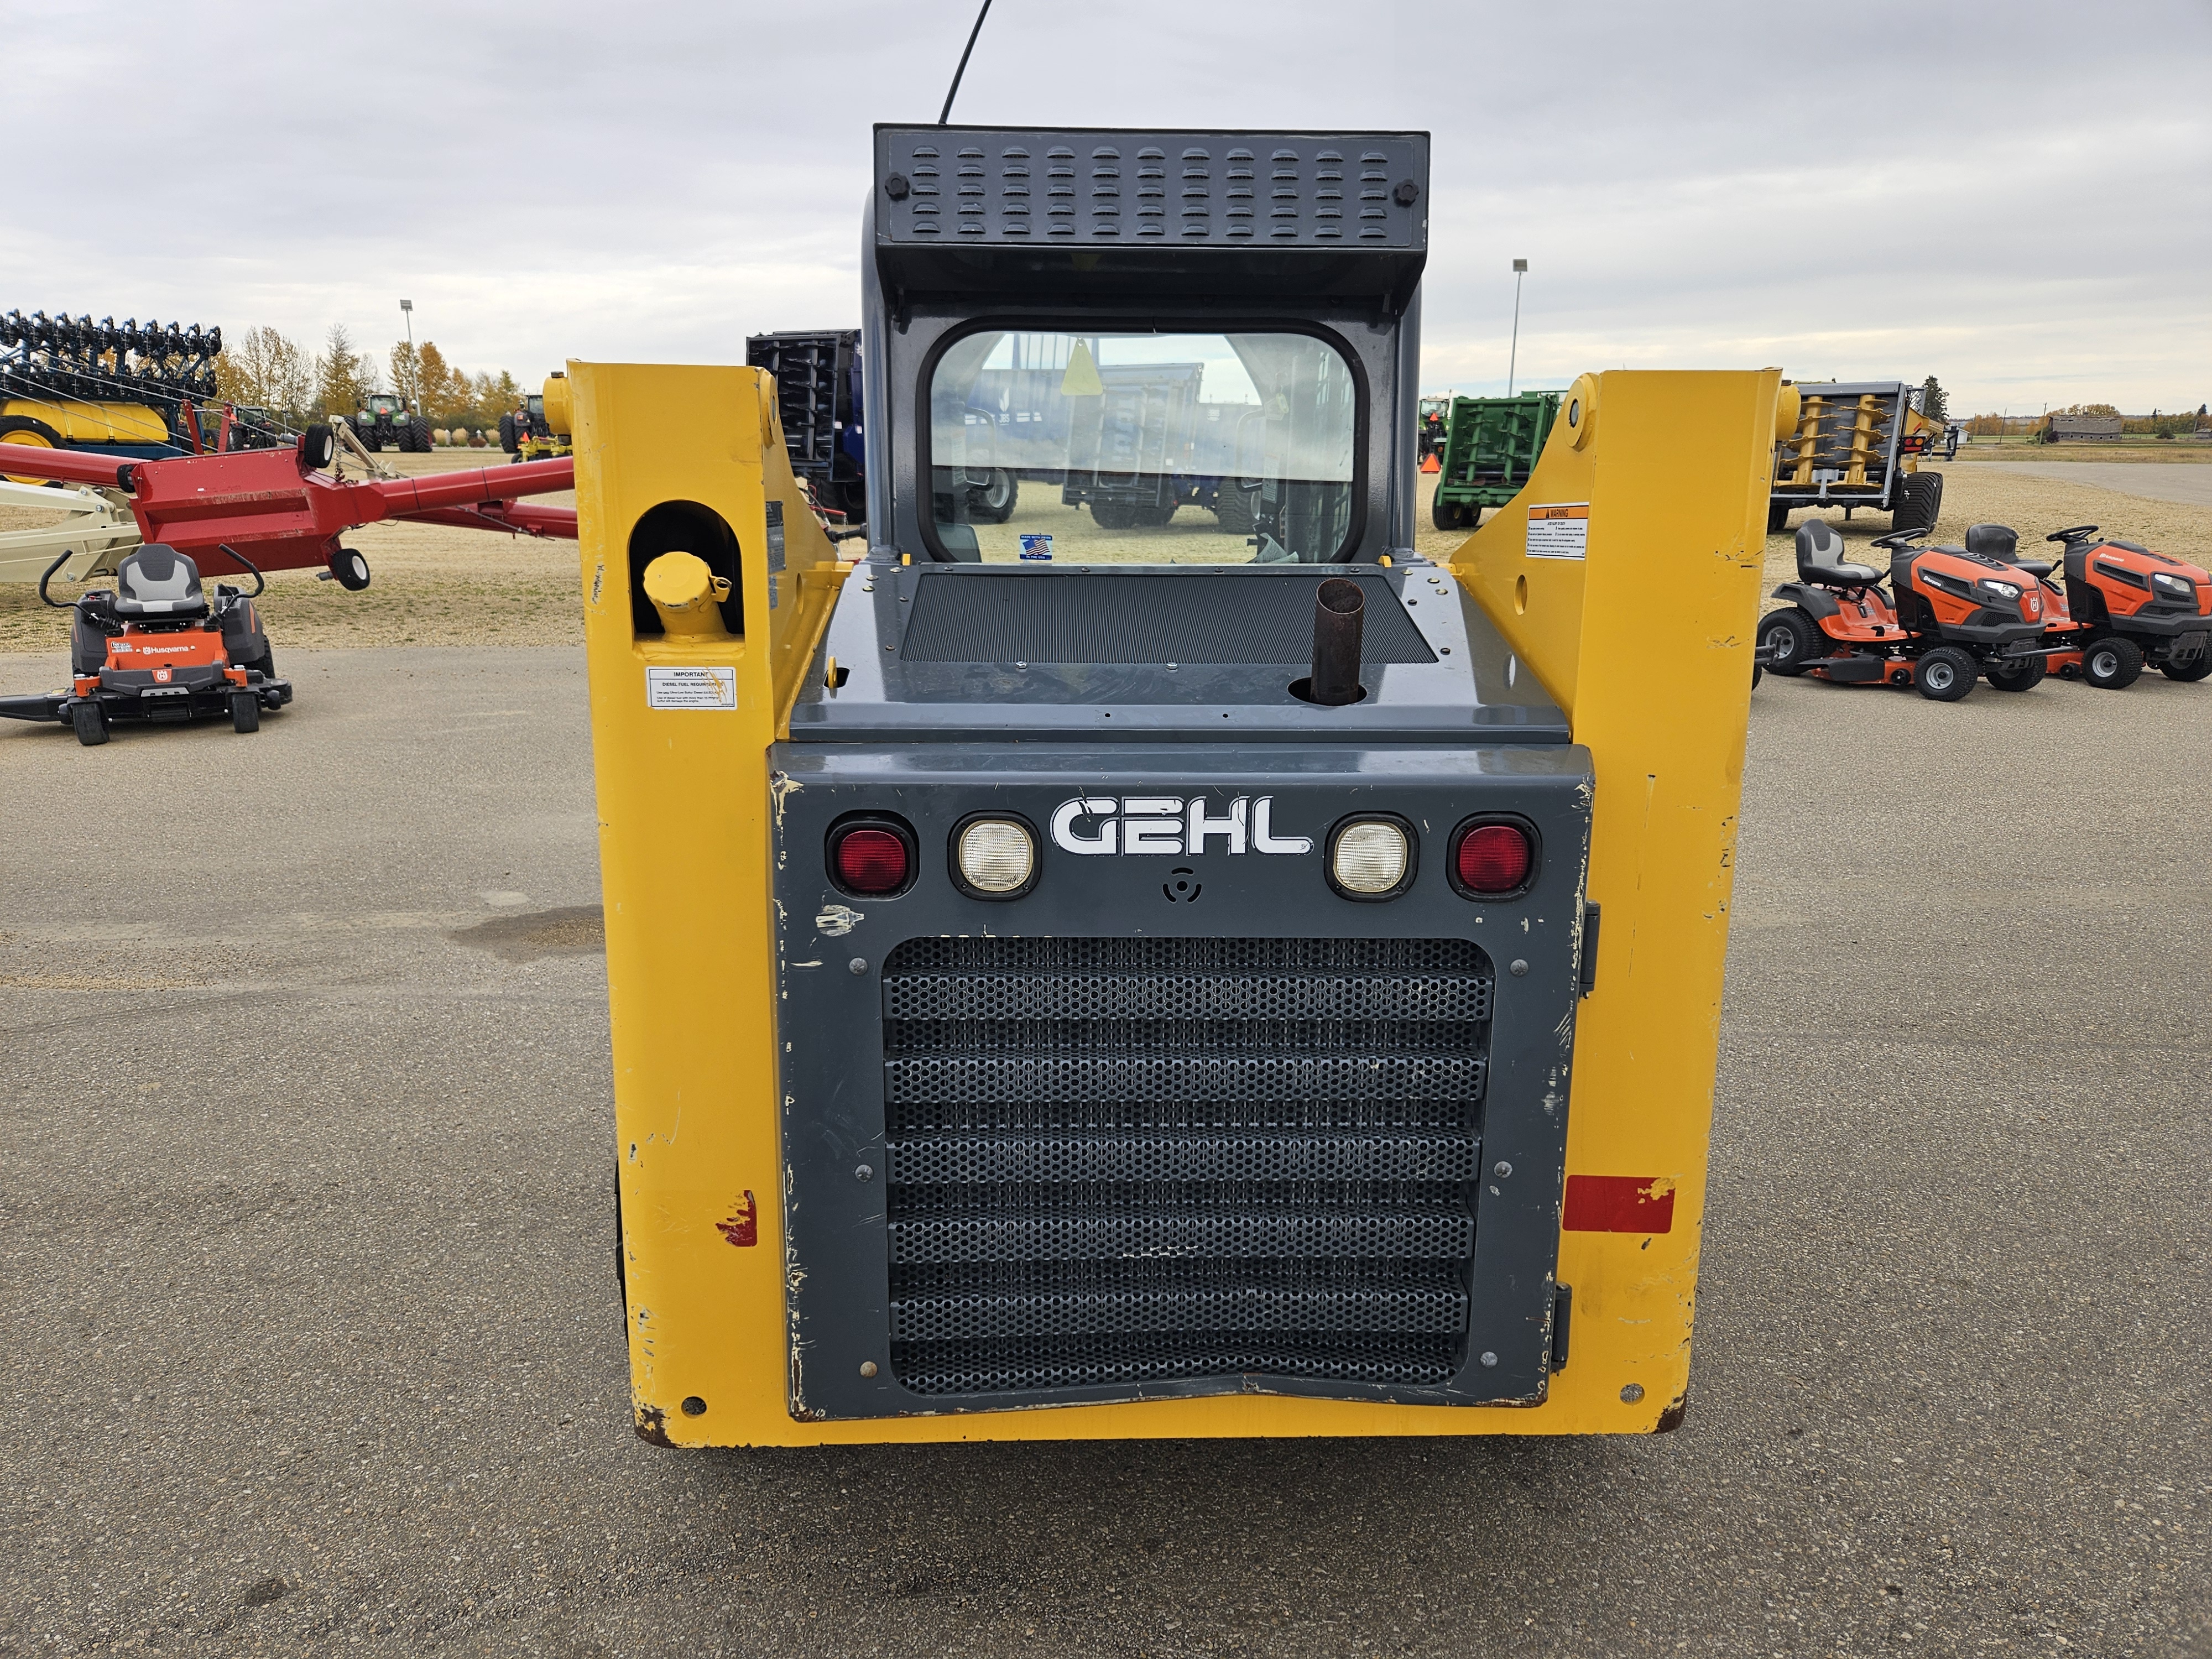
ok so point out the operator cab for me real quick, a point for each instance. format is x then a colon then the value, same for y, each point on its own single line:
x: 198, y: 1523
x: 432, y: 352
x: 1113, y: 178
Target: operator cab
x: 1120, y: 347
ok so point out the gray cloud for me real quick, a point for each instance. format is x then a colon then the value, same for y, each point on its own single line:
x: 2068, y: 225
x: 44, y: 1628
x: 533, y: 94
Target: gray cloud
x: 2016, y: 197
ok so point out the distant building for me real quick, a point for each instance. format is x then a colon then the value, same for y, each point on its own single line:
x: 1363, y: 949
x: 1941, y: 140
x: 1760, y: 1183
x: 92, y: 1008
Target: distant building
x: 2083, y: 430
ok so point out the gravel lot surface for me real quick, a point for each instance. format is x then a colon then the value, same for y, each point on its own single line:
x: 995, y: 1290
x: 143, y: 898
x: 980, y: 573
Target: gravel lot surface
x: 310, y: 1341
x: 2192, y: 484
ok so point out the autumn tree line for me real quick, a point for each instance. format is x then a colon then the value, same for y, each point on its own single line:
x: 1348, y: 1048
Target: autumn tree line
x: 261, y: 369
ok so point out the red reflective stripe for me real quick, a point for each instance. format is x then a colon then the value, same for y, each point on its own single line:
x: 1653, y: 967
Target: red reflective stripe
x: 1617, y: 1204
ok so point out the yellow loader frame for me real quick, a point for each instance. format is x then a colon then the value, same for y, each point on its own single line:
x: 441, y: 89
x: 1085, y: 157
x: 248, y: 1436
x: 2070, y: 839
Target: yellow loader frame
x: 1670, y: 472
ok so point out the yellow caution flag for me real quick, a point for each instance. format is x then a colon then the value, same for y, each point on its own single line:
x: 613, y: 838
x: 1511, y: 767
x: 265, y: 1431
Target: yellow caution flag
x: 1081, y: 380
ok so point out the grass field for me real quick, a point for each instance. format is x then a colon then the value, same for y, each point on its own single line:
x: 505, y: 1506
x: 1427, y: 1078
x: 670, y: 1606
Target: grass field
x: 455, y: 587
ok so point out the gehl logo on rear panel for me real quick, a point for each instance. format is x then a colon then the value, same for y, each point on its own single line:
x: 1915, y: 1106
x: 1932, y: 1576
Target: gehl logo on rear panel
x: 1101, y: 826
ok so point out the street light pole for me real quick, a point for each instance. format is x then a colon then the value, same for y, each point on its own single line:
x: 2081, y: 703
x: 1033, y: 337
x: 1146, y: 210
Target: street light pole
x: 1513, y: 360
x: 407, y: 310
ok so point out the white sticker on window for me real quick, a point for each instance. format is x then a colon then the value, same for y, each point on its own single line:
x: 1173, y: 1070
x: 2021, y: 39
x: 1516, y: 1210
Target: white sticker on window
x: 1559, y: 530
x: 691, y: 688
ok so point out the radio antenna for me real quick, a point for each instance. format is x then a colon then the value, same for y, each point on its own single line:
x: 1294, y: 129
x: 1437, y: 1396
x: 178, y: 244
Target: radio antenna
x: 953, y: 91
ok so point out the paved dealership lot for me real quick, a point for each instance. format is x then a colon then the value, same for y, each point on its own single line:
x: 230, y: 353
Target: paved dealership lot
x: 311, y: 1341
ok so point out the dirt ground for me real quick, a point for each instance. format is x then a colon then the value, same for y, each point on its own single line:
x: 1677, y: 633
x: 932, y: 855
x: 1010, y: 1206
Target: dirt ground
x: 437, y: 587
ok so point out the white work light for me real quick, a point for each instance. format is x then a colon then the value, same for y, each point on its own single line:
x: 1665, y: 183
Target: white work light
x: 1369, y: 858
x: 996, y: 857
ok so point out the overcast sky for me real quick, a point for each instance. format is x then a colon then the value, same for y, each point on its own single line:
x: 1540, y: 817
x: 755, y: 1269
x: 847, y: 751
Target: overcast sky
x: 2015, y: 197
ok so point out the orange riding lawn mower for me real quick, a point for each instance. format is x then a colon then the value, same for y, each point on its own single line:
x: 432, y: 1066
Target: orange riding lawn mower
x: 1955, y: 615
x: 2132, y: 609
x: 153, y: 648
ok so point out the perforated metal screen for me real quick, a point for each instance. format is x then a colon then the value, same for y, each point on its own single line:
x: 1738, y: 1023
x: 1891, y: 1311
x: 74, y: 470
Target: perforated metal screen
x: 1118, y: 1160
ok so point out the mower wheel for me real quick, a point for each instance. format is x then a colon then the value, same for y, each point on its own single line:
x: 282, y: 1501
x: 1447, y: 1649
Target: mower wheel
x: 1777, y: 517
x: 245, y: 712
x: 1447, y: 516
x: 1791, y: 639
x: 351, y: 570
x: 2021, y: 676
x: 2112, y: 662
x: 1919, y: 501
x: 90, y: 721
x: 2190, y: 671
x: 1945, y: 674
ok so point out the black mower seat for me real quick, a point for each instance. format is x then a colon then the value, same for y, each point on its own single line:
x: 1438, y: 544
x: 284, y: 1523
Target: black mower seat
x: 157, y: 580
x: 1820, y: 558
x: 1998, y: 542
x: 1993, y: 541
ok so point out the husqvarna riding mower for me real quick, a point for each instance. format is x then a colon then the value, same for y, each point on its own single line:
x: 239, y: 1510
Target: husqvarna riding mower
x: 2131, y: 608
x: 1949, y: 617
x: 154, y: 649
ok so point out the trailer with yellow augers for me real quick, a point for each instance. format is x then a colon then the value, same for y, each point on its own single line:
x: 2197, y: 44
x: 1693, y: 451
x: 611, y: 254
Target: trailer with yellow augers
x: 1075, y: 980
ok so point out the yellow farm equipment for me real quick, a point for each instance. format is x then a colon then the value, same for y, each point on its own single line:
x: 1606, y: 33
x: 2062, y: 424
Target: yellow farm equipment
x: 1855, y: 446
x: 1072, y: 979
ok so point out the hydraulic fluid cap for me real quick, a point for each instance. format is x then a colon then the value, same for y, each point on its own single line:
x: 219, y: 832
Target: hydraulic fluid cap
x: 686, y: 593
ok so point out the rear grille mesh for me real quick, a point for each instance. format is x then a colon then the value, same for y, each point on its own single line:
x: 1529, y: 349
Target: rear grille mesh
x: 1116, y: 1161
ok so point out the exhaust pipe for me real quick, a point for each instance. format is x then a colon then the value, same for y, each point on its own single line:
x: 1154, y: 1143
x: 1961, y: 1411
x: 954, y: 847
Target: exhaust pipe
x: 1339, y: 616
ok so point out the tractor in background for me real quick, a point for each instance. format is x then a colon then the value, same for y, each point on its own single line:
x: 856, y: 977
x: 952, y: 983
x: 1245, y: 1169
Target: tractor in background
x: 528, y: 433
x: 384, y: 418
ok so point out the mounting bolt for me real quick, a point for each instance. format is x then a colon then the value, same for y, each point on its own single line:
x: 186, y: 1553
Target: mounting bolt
x: 1501, y: 1170
x: 1517, y: 969
x: 867, y: 1368
x: 896, y: 187
x: 1406, y: 194
x: 1631, y: 1394
x: 864, y: 1173
x: 858, y: 966
x: 1489, y: 1358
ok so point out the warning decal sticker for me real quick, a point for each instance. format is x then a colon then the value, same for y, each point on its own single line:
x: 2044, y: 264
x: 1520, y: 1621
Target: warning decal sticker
x: 1559, y: 530
x: 691, y: 688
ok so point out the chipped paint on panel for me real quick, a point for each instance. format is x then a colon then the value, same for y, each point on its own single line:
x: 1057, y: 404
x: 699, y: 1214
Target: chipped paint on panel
x: 780, y: 788
x: 837, y: 921
x: 742, y: 1227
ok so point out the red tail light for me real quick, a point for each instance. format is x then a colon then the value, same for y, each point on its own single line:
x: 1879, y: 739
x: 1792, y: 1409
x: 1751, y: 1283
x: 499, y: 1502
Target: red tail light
x: 1493, y: 858
x: 872, y: 860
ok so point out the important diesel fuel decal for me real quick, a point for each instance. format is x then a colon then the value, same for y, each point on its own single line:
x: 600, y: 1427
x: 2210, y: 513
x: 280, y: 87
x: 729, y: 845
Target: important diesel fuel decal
x: 1103, y: 825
